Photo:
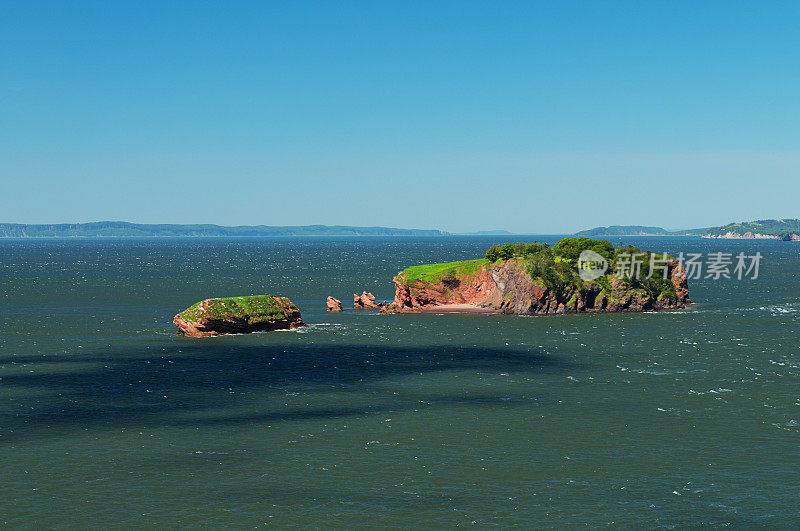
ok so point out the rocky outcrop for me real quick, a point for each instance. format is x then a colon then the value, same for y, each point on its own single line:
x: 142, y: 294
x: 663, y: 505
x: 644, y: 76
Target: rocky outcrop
x: 366, y: 301
x: 507, y: 287
x: 677, y: 275
x: 749, y: 235
x: 742, y: 236
x: 238, y: 315
x: 334, y: 305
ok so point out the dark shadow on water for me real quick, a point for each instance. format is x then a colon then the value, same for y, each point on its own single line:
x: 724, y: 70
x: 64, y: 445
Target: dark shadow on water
x: 184, y: 384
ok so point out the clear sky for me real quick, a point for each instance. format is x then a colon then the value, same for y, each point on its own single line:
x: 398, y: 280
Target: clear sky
x: 544, y: 117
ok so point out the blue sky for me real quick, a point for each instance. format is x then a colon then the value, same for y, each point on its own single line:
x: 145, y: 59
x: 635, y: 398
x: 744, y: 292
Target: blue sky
x: 541, y: 117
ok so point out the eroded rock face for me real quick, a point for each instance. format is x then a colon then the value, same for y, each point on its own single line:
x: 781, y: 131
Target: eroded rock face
x: 471, y: 289
x: 238, y: 315
x: 507, y: 287
x: 334, y: 305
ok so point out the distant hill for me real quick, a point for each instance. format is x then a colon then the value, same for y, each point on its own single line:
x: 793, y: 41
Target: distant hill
x: 123, y: 229
x: 768, y: 229
x: 625, y: 230
x: 772, y: 229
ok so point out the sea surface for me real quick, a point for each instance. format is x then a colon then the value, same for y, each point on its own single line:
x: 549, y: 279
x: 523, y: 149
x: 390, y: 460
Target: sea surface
x: 360, y: 420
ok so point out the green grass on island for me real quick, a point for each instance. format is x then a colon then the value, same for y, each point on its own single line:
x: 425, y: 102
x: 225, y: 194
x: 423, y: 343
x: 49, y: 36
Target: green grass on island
x: 254, y: 308
x: 433, y: 273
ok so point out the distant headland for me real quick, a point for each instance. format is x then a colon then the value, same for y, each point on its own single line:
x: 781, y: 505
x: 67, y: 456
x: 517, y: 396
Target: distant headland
x: 124, y: 229
x: 637, y: 230
x: 764, y: 229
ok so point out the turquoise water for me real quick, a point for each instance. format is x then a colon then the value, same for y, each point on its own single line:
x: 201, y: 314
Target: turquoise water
x: 363, y: 420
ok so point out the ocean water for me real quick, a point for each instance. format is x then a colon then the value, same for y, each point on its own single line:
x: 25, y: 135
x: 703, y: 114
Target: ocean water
x: 108, y: 419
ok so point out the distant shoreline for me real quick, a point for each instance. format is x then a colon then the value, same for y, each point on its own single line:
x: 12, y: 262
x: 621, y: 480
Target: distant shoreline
x: 244, y: 237
x: 124, y: 229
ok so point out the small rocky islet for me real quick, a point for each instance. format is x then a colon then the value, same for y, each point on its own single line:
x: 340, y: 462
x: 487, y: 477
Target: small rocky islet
x: 366, y: 301
x: 514, y: 279
x: 334, y: 304
x: 238, y: 315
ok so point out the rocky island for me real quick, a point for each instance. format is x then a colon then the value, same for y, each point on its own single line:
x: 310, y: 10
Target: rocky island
x: 536, y: 279
x: 238, y: 315
x: 333, y: 304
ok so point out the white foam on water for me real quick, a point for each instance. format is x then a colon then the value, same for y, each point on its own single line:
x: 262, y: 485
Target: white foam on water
x: 308, y: 328
x: 775, y: 309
